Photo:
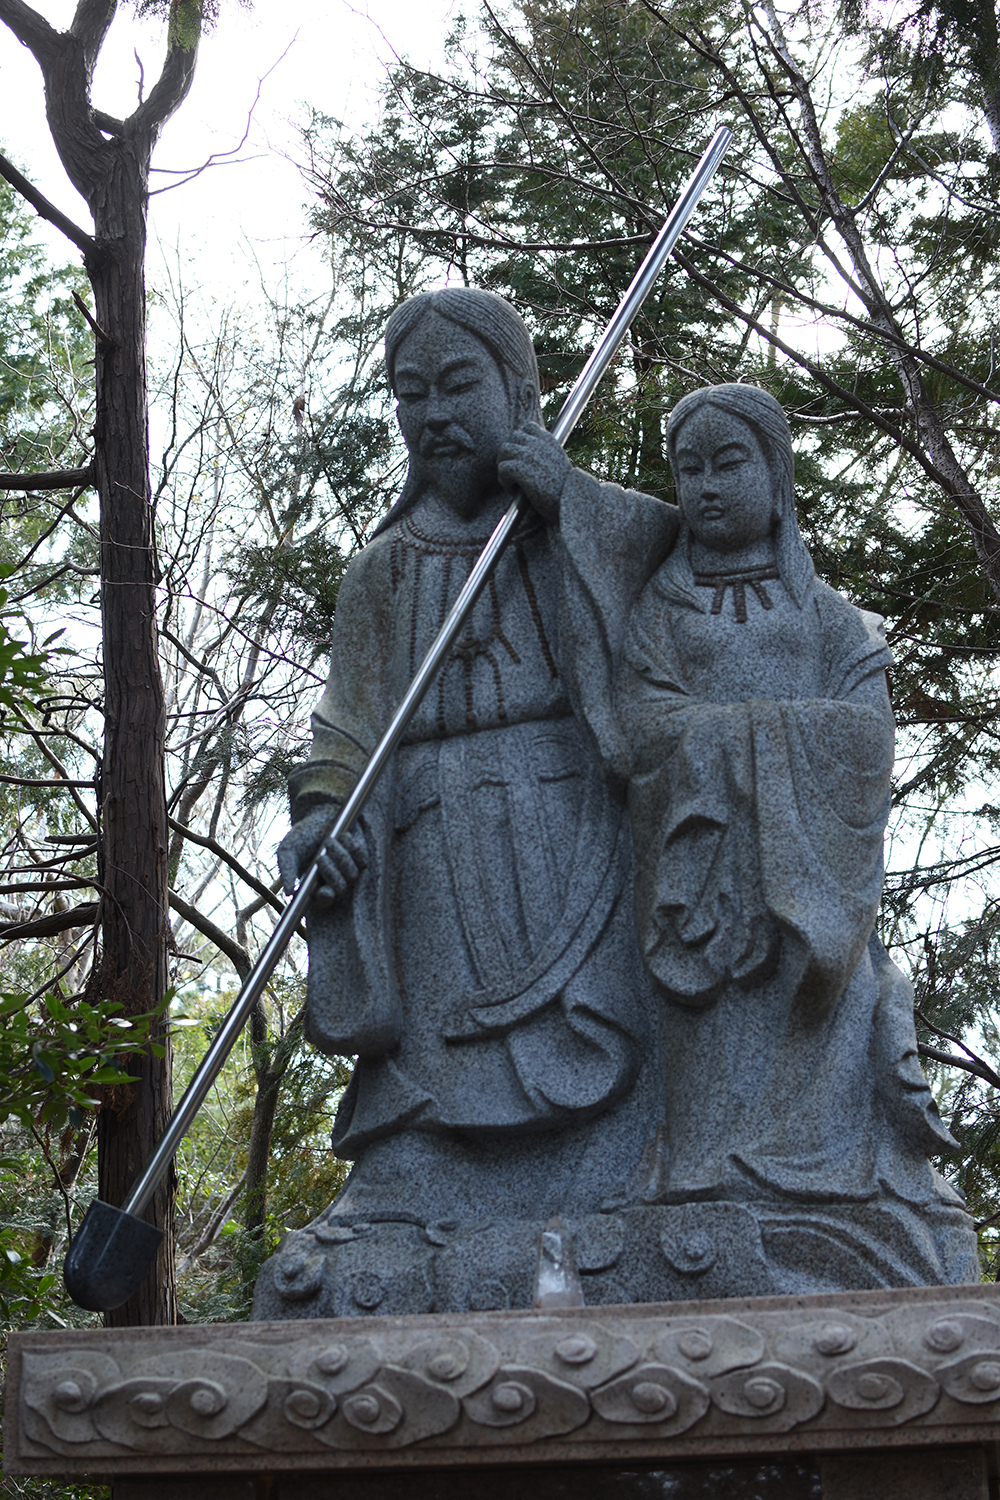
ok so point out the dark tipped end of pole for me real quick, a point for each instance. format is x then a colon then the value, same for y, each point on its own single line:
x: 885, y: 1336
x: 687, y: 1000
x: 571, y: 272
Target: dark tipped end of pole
x: 109, y: 1257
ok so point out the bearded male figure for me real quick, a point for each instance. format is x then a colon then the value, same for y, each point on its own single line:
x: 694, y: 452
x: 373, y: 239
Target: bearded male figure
x: 474, y: 942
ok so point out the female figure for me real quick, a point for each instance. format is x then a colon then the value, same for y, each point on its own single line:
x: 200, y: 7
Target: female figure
x: 743, y: 704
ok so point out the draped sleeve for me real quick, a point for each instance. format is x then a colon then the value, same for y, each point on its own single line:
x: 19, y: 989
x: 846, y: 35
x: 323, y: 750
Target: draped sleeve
x: 352, y: 1000
x: 611, y: 540
x: 355, y: 707
x: 759, y: 823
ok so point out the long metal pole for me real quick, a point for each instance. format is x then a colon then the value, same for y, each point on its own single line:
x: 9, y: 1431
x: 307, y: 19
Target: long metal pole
x: 255, y: 982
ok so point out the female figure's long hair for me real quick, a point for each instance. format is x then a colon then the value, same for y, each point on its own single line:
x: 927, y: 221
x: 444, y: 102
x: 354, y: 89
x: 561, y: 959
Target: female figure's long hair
x: 766, y: 419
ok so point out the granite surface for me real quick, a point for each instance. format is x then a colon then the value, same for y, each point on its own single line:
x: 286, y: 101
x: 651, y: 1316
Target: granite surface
x: 603, y: 940
x: 840, y: 1373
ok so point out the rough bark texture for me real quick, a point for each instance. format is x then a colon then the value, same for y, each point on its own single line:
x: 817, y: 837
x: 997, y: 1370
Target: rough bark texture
x: 133, y: 797
x: 108, y: 162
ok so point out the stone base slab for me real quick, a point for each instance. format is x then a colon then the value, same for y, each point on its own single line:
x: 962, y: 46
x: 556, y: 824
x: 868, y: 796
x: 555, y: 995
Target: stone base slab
x: 646, y: 1384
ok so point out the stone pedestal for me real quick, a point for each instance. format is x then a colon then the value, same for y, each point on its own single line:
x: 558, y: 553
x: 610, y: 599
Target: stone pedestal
x: 855, y: 1396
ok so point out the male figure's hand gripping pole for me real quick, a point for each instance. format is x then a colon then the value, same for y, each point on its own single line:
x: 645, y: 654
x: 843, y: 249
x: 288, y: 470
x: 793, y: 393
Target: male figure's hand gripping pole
x: 114, y: 1248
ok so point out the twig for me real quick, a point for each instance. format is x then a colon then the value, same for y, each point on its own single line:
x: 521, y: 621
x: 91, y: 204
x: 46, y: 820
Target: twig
x: 979, y: 1069
x: 60, y: 1187
x: 215, y: 1224
x: 956, y: 1041
x: 102, y: 338
x: 236, y: 952
x: 217, y: 849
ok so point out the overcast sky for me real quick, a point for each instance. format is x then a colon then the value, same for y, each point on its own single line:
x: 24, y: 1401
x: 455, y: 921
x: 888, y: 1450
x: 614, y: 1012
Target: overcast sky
x: 326, y: 53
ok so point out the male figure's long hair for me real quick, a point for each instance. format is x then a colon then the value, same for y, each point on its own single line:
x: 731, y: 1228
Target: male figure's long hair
x: 497, y: 326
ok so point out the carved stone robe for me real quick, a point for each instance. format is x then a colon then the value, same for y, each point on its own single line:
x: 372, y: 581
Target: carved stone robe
x: 757, y: 753
x: 485, y: 970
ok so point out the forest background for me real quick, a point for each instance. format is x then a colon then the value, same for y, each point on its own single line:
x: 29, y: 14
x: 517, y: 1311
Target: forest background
x: 847, y: 258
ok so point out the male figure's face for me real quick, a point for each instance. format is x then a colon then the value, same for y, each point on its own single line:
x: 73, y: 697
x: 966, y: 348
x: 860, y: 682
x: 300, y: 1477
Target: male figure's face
x: 454, y: 411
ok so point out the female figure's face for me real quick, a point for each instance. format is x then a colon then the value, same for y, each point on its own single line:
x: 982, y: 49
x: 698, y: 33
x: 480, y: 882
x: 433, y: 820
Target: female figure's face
x: 724, y: 485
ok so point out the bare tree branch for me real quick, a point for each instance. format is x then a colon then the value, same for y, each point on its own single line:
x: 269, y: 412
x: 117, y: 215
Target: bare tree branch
x: 90, y: 25
x: 965, y: 1063
x: 217, y: 849
x: 95, y: 327
x: 31, y: 28
x: 169, y: 91
x: 66, y: 785
x: 234, y: 951
x: 215, y: 1225
x: 56, y: 479
x: 81, y: 239
x: 108, y: 123
x: 52, y: 924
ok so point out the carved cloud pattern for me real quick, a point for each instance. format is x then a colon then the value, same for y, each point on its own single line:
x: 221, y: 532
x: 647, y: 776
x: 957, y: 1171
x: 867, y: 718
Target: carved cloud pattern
x: 623, y: 1374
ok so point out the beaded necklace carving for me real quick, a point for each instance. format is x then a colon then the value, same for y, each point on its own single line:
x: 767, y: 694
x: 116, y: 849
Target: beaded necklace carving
x: 738, y: 582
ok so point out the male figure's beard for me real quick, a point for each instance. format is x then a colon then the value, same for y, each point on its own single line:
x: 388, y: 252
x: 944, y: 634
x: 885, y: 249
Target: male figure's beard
x: 464, y: 482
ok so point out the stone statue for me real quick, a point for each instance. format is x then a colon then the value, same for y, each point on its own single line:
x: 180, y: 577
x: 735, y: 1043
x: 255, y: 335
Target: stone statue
x: 693, y: 1053
x: 484, y: 967
x: 744, y: 705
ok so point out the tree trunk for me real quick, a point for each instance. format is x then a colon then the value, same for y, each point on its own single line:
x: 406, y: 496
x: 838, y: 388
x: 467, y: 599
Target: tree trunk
x: 133, y: 795
x: 270, y: 1068
x: 107, y: 160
